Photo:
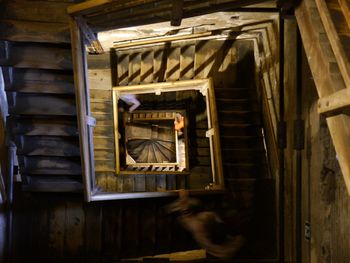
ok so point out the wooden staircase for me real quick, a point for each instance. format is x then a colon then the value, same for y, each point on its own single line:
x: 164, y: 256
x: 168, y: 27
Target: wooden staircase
x: 56, y: 228
x: 241, y: 133
x: 39, y: 84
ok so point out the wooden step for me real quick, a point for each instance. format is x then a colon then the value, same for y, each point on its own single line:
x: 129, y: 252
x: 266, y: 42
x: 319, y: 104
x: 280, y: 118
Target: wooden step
x: 47, y: 146
x: 244, y: 190
x: 42, y: 87
x: 239, y: 129
x: 45, y: 165
x: 13, y: 76
x: 27, y: 31
x: 43, y: 126
x: 39, y: 104
x: 39, y: 56
x: 255, y: 142
x: 234, y: 93
x: 244, y: 170
x: 338, y: 15
x: 223, y: 104
x: 230, y: 116
x: 50, y: 183
x: 243, y: 155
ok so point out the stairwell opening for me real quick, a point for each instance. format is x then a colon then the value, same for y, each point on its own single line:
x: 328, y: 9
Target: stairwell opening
x: 241, y: 57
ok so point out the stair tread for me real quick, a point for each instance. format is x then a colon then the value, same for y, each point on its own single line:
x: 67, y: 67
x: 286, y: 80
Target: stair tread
x: 47, y: 146
x: 247, y: 164
x: 47, y: 87
x: 52, y: 184
x: 248, y: 124
x: 35, y: 126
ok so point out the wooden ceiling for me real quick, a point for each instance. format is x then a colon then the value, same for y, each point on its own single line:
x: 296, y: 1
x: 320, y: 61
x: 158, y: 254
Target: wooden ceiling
x: 108, y: 14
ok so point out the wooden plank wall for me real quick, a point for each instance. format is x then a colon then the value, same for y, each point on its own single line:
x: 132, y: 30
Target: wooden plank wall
x: 326, y: 203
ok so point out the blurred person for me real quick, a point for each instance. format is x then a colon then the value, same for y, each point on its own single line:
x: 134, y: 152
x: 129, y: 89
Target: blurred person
x: 206, y: 227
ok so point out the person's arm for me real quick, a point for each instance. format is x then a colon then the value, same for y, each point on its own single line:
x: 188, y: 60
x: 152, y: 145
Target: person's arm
x: 135, y: 104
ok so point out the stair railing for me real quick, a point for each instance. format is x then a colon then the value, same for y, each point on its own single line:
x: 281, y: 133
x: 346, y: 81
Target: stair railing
x: 2, y: 187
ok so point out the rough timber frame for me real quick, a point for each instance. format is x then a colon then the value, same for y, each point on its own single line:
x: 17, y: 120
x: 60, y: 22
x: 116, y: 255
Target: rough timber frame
x: 315, y: 22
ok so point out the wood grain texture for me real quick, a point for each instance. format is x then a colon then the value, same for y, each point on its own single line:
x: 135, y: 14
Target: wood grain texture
x: 38, y: 11
x: 24, y: 31
x: 329, y: 24
x: 318, y: 61
x: 38, y: 56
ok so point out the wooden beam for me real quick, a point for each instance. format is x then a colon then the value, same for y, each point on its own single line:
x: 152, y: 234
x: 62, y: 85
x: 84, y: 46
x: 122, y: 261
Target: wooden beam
x: 345, y: 7
x: 95, y: 46
x: 137, y: 12
x: 162, y: 39
x: 177, y: 12
x: 219, y: 175
x: 318, y: 61
x: 87, y: 6
x: 337, y: 47
x: 80, y: 80
x: 39, y: 11
x: 335, y: 103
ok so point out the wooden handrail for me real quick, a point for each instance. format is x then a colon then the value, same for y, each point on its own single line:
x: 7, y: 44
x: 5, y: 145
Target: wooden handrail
x: 334, y: 39
x: 2, y: 187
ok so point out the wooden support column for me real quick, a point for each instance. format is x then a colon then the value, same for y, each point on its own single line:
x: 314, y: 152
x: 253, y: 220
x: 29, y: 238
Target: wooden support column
x: 81, y: 101
x: 177, y: 12
x: 319, y: 61
x: 95, y: 45
x: 334, y: 104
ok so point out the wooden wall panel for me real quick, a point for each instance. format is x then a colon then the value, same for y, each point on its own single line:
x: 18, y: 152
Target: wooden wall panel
x: 24, y: 31
x: 326, y: 204
x: 40, y: 11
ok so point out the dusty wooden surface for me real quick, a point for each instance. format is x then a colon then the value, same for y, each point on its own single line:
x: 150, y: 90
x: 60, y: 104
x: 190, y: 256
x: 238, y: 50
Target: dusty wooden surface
x: 329, y: 203
x: 325, y: 199
x: 328, y: 71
